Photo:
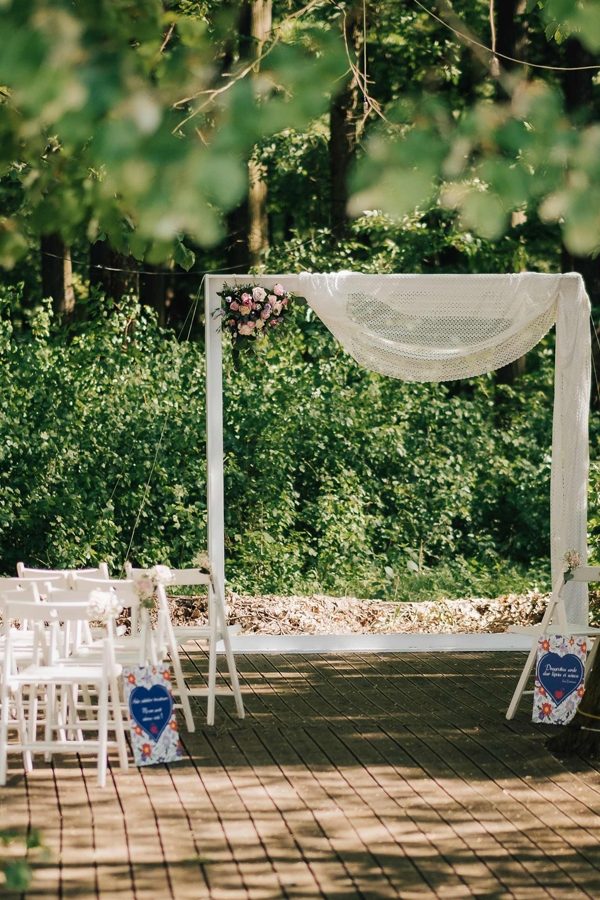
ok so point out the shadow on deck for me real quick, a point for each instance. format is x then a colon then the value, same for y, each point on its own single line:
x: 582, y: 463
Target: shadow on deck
x: 352, y: 776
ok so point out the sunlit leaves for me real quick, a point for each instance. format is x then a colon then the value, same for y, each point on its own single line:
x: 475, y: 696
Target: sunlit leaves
x: 495, y: 158
x: 142, y: 138
x: 578, y: 17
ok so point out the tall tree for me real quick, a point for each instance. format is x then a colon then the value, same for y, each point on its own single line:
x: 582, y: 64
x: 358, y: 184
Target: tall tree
x: 249, y: 224
x: 113, y: 272
x: 153, y: 290
x: 57, y: 274
x: 508, y: 38
x: 344, y: 118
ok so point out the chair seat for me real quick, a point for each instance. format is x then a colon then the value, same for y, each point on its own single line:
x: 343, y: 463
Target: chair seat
x: 62, y: 673
x: 126, y: 647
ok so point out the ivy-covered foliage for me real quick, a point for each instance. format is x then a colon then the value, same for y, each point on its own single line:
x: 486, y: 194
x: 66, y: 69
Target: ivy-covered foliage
x: 336, y: 479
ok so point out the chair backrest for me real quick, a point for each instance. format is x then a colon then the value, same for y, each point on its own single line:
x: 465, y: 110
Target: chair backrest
x: 64, y: 618
x: 14, y: 607
x: 8, y: 583
x: 26, y: 591
x: 23, y: 571
x: 179, y: 577
x: 124, y: 589
x: 189, y: 577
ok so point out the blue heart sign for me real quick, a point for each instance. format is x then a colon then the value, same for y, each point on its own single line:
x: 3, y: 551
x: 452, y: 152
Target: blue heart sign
x: 559, y: 677
x: 154, y: 732
x: 151, y: 709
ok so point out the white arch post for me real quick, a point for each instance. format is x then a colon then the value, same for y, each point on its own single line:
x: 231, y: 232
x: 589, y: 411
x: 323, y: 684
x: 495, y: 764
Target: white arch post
x: 214, y: 408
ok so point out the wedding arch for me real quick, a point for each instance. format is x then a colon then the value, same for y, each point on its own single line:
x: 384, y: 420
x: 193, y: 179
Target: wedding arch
x: 440, y: 328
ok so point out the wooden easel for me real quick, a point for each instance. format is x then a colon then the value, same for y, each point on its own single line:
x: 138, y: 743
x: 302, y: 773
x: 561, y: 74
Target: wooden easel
x: 554, y: 621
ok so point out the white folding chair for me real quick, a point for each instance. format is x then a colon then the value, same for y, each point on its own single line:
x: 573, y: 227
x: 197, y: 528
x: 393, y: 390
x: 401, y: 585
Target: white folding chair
x: 554, y: 621
x: 57, y: 676
x: 216, y: 630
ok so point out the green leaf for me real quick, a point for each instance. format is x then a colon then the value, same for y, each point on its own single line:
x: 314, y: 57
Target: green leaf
x: 18, y: 875
x: 183, y: 256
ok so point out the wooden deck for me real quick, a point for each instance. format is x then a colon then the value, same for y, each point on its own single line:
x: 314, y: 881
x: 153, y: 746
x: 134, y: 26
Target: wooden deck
x: 353, y: 776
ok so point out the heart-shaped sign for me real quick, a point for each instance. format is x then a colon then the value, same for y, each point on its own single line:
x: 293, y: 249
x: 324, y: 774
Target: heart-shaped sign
x: 559, y: 675
x: 151, y: 709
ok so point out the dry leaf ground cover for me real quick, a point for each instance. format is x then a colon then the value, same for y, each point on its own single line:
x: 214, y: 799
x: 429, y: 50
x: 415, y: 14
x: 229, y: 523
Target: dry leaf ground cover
x: 321, y: 614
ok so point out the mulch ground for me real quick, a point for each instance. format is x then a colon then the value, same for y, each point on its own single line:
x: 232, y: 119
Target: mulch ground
x: 321, y: 614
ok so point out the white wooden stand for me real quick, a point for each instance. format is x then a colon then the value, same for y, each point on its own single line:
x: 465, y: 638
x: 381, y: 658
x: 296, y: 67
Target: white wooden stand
x: 555, y: 621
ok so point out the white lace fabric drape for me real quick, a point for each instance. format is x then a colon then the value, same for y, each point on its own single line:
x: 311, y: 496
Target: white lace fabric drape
x: 444, y: 327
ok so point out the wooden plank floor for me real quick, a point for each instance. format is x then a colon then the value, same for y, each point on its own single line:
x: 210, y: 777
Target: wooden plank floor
x: 367, y: 776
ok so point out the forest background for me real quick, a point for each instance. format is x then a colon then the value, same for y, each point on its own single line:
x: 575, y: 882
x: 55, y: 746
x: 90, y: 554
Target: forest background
x: 145, y: 143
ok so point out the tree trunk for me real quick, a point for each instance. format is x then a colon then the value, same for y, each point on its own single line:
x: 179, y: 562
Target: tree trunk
x: 153, y: 291
x: 249, y: 223
x: 344, y: 117
x: 57, y: 274
x: 507, y: 42
x: 114, y: 273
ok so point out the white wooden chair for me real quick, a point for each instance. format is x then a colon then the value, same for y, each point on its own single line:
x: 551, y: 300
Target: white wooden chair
x: 57, y: 676
x: 216, y: 630
x: 554, y: 621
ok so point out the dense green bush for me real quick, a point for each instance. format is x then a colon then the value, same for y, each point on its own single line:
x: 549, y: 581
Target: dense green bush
x: 336, y: 479
x: 82, y: 415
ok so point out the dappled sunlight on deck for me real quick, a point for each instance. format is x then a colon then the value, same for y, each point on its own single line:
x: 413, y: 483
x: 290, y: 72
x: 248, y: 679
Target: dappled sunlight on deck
x: 352, y: 776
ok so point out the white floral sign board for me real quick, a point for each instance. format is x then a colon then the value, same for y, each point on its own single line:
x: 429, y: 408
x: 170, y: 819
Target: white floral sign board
x: 559, y: 678
x: 154, y: 732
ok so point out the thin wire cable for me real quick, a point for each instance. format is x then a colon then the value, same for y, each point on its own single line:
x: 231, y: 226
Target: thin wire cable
x: 202, y: 272
x: 191, y: 316
x: 85, y: 262
x: 521, y: 62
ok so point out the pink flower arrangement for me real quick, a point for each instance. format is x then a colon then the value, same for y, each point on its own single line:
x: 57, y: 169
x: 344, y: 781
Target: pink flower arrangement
x: 250, y: 311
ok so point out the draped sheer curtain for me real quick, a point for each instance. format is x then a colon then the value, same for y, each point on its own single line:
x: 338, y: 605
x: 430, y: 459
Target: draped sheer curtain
x: 444, y: 327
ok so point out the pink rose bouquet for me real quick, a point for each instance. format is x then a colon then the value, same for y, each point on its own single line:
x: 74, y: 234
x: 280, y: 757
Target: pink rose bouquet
x: 251, y: 311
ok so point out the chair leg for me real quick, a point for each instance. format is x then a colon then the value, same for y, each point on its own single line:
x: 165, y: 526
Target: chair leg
x: 212, y: 677
x: 589, y: 663
x: 522, y: 682
x: 102, y: 732
x: 181, y: 686
x: 231, y: 666
x: 4, y: 711
x: 173, y: 650
x: 73, y: 715
x: 87, y: 701
x: 22, y: 723
x: 49, y: 721
x: 118, y: 719
x: 33, y: 712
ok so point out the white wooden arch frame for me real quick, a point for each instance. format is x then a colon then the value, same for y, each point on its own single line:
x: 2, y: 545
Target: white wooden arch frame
x: 575, y: 343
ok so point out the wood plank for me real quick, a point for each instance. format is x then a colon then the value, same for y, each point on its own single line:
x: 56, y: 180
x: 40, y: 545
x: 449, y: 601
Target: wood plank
x: 353, y: 776
x: 78, y: 863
